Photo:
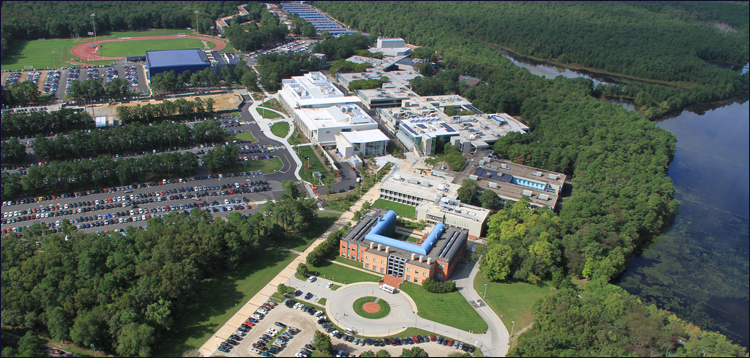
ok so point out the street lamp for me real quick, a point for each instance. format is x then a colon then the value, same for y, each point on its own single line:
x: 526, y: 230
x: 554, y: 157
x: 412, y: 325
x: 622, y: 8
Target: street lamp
x: 485, y: 292
x: 196, y: 22
x: 93, y: 17
x: 511, y: 328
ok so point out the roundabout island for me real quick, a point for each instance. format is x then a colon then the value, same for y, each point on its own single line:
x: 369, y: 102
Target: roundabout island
x: 371, y: 307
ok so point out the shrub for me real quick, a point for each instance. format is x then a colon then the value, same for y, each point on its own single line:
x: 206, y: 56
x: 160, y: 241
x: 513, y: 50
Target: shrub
x: 438, y: 286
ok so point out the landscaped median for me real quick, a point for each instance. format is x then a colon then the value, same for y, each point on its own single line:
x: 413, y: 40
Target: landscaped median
x: 371, y: 307
x: 450, y: 309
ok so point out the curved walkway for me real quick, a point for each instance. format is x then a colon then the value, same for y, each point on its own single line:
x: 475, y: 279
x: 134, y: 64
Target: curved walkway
x: 86, y: 52
x: 265, y: 126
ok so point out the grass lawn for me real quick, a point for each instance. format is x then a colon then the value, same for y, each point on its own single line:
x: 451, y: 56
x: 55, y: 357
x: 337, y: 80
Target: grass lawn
x: 269, y: 115
x: 450, y: 309
x: 335, y: 287
x: 247, y: 135
x: 318, y: 227
x: 385, y: 308
x: 349, y: 262
x: 266, y: 165
x: 139, y: 47
x: 223, y: 296
x: 322, y: 301
x: 343, y: 274
x: 236, y: 114
x: 280, y: 129
x: 400, y: 209
x: 315, y: 165
x: 512, y: 300
x: 39, y: 53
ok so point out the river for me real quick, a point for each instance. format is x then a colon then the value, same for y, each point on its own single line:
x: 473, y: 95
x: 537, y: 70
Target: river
x: 699, y: 268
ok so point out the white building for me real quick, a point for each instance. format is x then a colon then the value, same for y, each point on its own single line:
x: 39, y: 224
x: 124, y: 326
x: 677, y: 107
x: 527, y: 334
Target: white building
x: 355, y: 144
x: 392, y: 47
x: 452, y: 212
x: 313, y: 90
x: 322, y: 124
x: 412, y: 188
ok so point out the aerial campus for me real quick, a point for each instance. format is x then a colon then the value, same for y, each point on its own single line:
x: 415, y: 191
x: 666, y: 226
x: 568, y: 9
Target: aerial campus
x: 271, y: 179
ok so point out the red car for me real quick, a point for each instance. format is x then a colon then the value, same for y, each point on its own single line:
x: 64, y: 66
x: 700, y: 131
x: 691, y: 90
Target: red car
x: 57, y: 351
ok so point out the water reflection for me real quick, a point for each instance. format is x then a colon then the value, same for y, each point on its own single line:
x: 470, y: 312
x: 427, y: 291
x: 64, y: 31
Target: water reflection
x: 699, y: 268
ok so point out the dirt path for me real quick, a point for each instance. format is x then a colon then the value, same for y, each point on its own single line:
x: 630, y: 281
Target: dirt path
x: 87, y: 53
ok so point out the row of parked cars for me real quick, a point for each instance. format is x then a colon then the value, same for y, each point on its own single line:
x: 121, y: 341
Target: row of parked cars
x: 50, y: 85
x: 12, y: 78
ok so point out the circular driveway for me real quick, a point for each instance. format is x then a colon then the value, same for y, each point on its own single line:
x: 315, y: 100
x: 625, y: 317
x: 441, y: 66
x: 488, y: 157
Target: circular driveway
x: 340, y: 310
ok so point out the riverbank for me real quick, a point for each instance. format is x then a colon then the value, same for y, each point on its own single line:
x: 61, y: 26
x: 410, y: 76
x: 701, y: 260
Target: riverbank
x: 591, y: 70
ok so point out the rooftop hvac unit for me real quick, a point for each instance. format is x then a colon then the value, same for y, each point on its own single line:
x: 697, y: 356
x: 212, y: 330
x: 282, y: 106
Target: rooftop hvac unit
x: 504, y: 166
x: 526, y: 193
x: 537, y: 174
x: 492, y: 185
x: 543, y: 197
x: 493, y: 167
x: 425, y: 183
x: 473, y: 177
x: 397, y: 176
x: 489, y: 174
x: 552, y: 176
x: 414, y: 181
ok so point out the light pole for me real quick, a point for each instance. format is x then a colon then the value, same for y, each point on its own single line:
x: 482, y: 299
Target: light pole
x: 92, y: 346
x: 53, y: 60
x: 511, y: 328
x: 196, y: 22
x: 93, y: 23
x: 485, y: 292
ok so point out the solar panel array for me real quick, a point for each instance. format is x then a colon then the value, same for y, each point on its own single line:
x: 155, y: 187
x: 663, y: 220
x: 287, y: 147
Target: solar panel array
x: 448, y: 128
x: 321, y: 21
x: 409, y: 129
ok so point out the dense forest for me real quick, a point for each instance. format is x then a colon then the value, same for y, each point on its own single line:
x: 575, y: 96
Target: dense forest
x: 264, y: 29
x: 124, y: 293
x: 614, y: 37
x: 617, y: 160
x: 30, y: 20
x: 43, y: 122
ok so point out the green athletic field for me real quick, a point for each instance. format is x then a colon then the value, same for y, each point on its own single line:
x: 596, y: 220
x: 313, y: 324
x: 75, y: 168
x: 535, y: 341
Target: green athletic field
x: 38, y: 53
x: 139, y: 48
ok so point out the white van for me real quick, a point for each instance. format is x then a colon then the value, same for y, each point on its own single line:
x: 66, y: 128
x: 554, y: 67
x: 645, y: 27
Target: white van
x: 387, y: 288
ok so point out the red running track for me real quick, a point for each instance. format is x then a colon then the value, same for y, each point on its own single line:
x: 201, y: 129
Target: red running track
x: 85, y: 51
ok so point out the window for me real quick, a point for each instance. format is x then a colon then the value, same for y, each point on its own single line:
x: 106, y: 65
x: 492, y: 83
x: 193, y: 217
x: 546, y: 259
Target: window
x: 408, y: 278
x: 367, y: 257
x: 408, y: 269
x: 440, y: 277
x: 424, y: 274
x: 343, y: 254
x: 416, y: 280
x: 382, y: 270
x: 375, y: 268
x: 442, y: 267
x: 367, y: 266
x: 343, y: 246
x: 382, y: 262
x: 374, y: 259
x: 416, y: 272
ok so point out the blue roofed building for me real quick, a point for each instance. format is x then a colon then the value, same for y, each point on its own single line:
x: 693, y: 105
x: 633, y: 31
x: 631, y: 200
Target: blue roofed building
x: 375, y: 242
x: 177, y: 60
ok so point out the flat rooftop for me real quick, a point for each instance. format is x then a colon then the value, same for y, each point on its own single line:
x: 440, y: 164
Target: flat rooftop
x: 512, y: 181
x: 187, y: 57
x: 334, y: 116
x: 365, y: 136
x: 425, y: 186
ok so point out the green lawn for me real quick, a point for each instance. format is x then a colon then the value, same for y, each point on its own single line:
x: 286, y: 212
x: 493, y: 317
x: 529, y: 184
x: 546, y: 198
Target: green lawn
x: 512, y: 300
x: 318, y: 227
x: 335, y: 287
x: 322, y: 301
x: 39, y: 53
x: 247, y: 135
x: 266, y: 165
x: 400, y: 209
x: 385, y: 308
x: 343, y: 274
x: 450, y: 309
x: 223, y: 296
x: 315, y: 164
x: 269, y: 115
x: 280, y: 129
x: 346, y: 261
x: 139, y: 47
x: 236, y: 114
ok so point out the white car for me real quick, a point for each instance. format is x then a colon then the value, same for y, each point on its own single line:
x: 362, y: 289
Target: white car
x: 329, y: 285
x: 312, y: 279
